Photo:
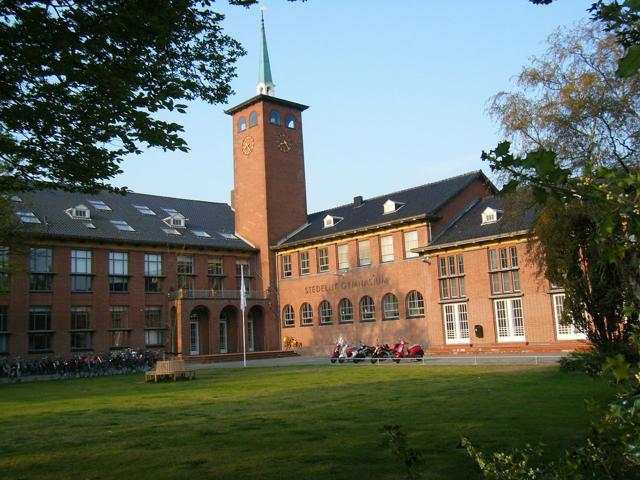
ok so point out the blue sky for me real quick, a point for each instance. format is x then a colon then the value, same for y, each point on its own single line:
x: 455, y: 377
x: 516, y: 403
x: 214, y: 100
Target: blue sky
x: 397, y: 92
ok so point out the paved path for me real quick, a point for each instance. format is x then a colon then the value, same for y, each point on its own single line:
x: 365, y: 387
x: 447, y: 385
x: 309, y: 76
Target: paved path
x: 546, y: 359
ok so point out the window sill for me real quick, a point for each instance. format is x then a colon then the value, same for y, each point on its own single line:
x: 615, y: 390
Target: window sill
x: 368, y: 321
x: 88, y: 349
x: 153, y: 293
x: 390, y: 319
x: 498, y: 296
x: 40, y: 291
x: 453, y: 300
x: 40, y: 351
x: 111, y: 291
x: 124, y: 329
x: 411, y: 317
x: 322, y: 324
x: 342, y: 322
x: 288, y: 326
x: 81, y: 291
x: 307, y: 325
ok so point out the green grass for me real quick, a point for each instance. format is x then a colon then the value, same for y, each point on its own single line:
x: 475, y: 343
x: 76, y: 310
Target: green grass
x: 288, y: 422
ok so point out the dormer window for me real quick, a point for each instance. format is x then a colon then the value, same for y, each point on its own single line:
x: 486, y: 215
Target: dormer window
x: 490, y: 215
x: 143, y: 209
x: 176, y: 220
x: 390, y: 206
x: 122, y: 225
x: 27, y: 216
x: 81, y: 212
x: 330, y: 221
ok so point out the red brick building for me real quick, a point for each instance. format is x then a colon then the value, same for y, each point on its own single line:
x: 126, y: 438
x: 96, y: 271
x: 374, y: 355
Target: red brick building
x: 437, y: 264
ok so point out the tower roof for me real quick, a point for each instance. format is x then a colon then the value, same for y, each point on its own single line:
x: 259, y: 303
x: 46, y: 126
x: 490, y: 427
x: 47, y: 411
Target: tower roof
x: 264, y: 68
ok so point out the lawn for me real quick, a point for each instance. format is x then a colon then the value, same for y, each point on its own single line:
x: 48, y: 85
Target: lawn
x: 311, y: 422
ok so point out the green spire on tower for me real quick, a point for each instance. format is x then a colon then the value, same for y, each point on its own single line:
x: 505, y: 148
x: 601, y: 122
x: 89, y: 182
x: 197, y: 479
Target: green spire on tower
x: 265, y: 82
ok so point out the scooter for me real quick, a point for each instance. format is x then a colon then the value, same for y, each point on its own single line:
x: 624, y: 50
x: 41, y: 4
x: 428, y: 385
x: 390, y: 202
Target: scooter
x: 414, y: 351
x: 336, y: 350
x: 362, y: 352
x: 381, y: 352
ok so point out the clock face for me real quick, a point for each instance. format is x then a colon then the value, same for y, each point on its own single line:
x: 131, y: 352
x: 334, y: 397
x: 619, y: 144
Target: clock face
x: 284, y: 143
x: 247, y: 145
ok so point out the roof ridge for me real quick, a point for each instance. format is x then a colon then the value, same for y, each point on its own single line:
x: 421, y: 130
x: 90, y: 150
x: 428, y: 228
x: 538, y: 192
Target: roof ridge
x: 175, y: 198
x: 476, y: 172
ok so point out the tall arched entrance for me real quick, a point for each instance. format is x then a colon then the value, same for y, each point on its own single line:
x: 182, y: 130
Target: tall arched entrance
x: 255, y: 329
x: 199, y: 331
x: 228, y: 327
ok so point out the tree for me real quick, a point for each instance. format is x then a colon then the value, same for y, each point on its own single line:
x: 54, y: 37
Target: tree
x: 571, y: 102
x: 579, y: 123
x: 82, y: 83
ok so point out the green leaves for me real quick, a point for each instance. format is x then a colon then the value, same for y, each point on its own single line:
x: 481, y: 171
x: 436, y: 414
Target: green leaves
x: 82, y: 85
x: 630, y: 63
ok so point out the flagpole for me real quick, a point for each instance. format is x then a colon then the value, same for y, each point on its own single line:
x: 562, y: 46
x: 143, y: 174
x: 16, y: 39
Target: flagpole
x: 243, y: 304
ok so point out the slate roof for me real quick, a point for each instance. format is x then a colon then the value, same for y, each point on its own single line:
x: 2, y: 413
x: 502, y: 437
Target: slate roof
x: 213, y: 218
x: 468, y: 225
x: 419, y: 202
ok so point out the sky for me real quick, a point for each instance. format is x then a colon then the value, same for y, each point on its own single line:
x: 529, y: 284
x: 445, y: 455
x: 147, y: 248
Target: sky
x: 397, y: 90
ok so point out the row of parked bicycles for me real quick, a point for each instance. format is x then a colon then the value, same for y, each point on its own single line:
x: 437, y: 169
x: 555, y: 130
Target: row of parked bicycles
x: 343, y: 352
x: 112, y: 363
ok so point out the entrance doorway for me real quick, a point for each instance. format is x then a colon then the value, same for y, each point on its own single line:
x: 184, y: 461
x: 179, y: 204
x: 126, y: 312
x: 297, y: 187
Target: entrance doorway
x: 250, y: 337
x: 194, y: 342
x: 223, y: 336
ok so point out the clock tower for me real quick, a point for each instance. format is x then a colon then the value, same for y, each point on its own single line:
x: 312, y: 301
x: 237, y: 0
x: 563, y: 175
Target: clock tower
x: 269, y: 196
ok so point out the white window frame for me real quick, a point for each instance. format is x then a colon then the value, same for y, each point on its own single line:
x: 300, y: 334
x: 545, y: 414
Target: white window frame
x: 323, y: 259
x: 456, y: 323
x: 386, y: 249
x: 410, y: 242
x: 343, y: 256
x: 367, y: 309
x: 288, y: 316
x: 570, y: 331
x: 306, y: 314
x: 286, y: 266
x: 506, y: 312
x: 305, y: 263
x: 415, y: 304
x: 325, y: 312
x: 390, y: 307
x: 364, y: 253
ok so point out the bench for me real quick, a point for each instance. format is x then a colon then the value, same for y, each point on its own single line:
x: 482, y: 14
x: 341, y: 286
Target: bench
x: 170, y: 369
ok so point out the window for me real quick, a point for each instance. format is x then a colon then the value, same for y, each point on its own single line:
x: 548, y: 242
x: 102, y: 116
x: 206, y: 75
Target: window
x: 503, y: 270
x: 451, y: 277
x: 200, y: 234
x: 27, y: 216
x: 367, y: 309
x: 4, y: 269
x: 119, y: 331
x: 289, y: 121
x: 325, y: 312
x: 171, y: 231
x: 345, y: 308
x: 323, y: 259
x: 410, y: 242
x: 176, y: 220
x: 215, y: 266
x: 215, y: 271
x: 289, y: 316
x: 122, y: 225
x: 490, y: 215
x: 118, y: 272
x: 364, y: 253
x: 41, y: 267
x: 253, y: 119
x: 152, y: 272
x: 456, y: 323
x: 330, y: 221
x: 566, y: 331
x: 4, y: 330
x: 80, y: 329
x: 40, y: 329
x: 242, y: 124
x: 143, y: 209
x: 243, y: 266
x: 305, y: 266
x: 390, y: 206
x: 100, y: 205
x: 415, y: 304
x: 343, y: 257
x: 153, y: 326
x: 306, y: 314
x: 286, y: 266
x: 81, y: 270
x: 185, y: 269
x: 274, y: 117
x: 390, y: 307
x: 509, y: 320
x: 386, y: 248
x: 80, y: 212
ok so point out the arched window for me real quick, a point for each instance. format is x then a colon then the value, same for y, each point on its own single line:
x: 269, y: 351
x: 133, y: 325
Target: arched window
x: 253, y: 119
x: 415, y: 304
x: 306, y: 314
x: 274, y: 117
x: 289, y: 121
x: 242, y: 124
x: 325, y: 312
x: 367, y: 309
x: 346, y: 310
x: 390, y: 306
x: 289, y: 316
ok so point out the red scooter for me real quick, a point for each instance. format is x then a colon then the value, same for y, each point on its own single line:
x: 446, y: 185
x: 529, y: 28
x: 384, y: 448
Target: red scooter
x: 414, y: 351
x: 381, y: 352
